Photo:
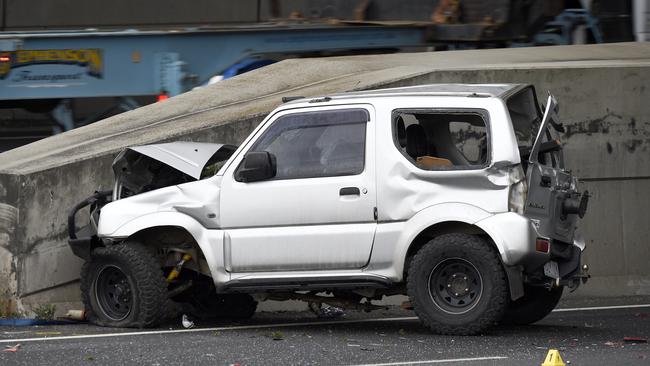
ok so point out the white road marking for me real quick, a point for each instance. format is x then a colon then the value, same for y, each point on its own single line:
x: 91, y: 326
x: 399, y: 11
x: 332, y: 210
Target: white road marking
x: 603, y: 308
x: 281, y: 325
x: 406, y: 363
x: 214, y: 329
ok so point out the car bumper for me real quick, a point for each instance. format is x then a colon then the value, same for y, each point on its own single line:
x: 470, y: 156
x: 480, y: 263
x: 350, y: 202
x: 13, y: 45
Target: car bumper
x: 515, y: 236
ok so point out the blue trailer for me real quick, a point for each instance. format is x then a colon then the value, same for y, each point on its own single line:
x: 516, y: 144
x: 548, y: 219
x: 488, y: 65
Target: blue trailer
x: 57, y: 67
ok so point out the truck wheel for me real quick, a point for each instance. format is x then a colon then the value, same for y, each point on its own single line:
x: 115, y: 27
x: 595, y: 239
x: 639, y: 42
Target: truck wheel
x: 237, y: 306
x: 536, y: 303
x: 457, y: 285
x: 123, y: 286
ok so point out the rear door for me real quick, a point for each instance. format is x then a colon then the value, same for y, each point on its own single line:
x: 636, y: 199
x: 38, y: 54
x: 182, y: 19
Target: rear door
x: 548, y: 183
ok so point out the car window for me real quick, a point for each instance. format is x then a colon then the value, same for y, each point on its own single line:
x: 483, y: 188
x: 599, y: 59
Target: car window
x: 525, y: 116
x: 317, y: 144
x: 441, y: 140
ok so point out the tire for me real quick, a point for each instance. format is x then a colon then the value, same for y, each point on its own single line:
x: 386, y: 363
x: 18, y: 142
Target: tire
x: 536, y: 304
x: 237, y: 306
x: 123, y: 286
x: 457, y: 285
x: 203, y: 302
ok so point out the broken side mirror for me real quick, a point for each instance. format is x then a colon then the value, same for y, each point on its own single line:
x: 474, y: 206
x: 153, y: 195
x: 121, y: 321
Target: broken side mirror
x: 257, y: 166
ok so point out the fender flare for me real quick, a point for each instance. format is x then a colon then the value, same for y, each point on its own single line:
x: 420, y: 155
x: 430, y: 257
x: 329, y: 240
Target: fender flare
x: 209, y: 241
x: 434, y: 215
x: 456, y: 212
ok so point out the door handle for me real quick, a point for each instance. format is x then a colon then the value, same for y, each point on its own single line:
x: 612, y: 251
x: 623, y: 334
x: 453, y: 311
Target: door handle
x: 349, y: 191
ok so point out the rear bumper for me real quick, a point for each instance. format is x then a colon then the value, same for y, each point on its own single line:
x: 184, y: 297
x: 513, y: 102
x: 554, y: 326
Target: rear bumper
x: 515, y: 236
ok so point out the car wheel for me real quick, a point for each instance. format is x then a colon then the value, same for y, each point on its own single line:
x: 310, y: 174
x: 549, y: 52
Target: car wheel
x: 457, y: 285
x: 536, y: 304
x: 237, y: 306
x: 123, y: 286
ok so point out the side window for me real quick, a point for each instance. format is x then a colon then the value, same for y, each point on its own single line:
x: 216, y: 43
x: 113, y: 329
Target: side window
x: 437, y: 140
x: 317, y: 144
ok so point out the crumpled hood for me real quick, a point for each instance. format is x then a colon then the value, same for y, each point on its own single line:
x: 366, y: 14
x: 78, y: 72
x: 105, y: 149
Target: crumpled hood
x: 187, y: 157
x: 145, y: 168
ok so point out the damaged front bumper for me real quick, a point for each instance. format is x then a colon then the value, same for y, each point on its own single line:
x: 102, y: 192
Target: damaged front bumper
x: 84, y: 239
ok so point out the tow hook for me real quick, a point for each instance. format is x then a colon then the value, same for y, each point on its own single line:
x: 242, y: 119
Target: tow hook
x: 581, y: 277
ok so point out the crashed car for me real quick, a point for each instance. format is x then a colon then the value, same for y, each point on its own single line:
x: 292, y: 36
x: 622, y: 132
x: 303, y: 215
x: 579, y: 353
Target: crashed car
x: 455, y: 195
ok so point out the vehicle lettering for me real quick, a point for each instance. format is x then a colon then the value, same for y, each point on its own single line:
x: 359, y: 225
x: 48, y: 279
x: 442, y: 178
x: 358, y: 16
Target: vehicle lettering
x: 89, y: 58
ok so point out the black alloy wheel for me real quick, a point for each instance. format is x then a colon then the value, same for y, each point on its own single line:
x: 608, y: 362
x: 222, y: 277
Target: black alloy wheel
x: 112, y: 292
x: 455, y: 285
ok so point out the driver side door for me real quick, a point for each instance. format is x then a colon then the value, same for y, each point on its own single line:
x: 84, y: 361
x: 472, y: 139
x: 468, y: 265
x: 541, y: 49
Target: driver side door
x: 318, y: 211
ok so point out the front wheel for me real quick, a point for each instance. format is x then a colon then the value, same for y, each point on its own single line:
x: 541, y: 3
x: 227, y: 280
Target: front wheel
x: 123, y: 286
x: 457, y: 285
x: 536, y: 304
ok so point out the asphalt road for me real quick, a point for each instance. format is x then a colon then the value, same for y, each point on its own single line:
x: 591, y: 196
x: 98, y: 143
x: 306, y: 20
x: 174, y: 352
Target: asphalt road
x: 392, y: 337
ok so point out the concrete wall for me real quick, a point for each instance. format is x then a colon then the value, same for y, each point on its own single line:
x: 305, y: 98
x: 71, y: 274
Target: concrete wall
x: 601, y: 90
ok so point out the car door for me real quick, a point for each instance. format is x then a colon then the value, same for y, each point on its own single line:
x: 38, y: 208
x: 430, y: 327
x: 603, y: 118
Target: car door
x: 318, y: 212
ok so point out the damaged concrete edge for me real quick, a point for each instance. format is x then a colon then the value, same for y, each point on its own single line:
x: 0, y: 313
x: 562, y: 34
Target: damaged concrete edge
x: 8, y: 260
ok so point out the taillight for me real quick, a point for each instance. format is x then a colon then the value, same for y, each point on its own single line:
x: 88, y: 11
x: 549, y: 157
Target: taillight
x: 542, y: 245
x: 518, y: 190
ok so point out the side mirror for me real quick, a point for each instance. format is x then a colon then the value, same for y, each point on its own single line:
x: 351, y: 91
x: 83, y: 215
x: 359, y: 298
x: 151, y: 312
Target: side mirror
x: 257, y: 166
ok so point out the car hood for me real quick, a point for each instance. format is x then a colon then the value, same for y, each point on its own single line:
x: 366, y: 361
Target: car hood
x: 187, y: 157
x: 140, y: 169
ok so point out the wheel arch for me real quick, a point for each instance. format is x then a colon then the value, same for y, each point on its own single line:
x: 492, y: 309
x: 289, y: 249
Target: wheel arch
x: 513, y: 274
x: 176, y: 228
x: 441, y: 228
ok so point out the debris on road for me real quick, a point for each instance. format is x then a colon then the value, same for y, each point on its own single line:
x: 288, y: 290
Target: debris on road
x: 635, y: 340
x: 47, y: 333
x: 75, y: 315
x: 277, y: 336
x: 17, y: 332
x: 11, y: 348
x: 325, y: 311
x: 187, y: 323
x: 330, y: 312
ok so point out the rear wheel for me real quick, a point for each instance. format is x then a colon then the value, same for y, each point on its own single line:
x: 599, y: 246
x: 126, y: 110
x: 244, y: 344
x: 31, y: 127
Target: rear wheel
x: 123, y: 286
x: 457, y: 285
x: 536, y: 304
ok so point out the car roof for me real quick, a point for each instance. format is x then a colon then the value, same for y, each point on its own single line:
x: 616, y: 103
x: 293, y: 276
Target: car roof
x: 440, y: 90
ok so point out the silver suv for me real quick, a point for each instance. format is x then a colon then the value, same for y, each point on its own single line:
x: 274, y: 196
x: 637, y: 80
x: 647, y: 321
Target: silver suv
x: 455, y: 195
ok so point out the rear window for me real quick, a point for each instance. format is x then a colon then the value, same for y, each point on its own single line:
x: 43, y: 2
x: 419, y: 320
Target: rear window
x: 525, y: 116
x: 442, y: 140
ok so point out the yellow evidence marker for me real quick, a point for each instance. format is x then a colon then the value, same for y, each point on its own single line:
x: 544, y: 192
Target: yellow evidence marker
x: 553, y: 358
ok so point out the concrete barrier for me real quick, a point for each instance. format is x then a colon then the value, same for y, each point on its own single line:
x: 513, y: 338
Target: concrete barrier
x: 601, y: 90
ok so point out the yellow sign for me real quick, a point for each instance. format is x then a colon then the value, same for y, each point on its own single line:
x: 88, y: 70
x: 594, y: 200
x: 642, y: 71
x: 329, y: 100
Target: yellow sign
x: 90, y: 58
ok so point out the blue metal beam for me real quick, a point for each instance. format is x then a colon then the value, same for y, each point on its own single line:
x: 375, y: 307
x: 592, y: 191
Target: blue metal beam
x: 44, y: 65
